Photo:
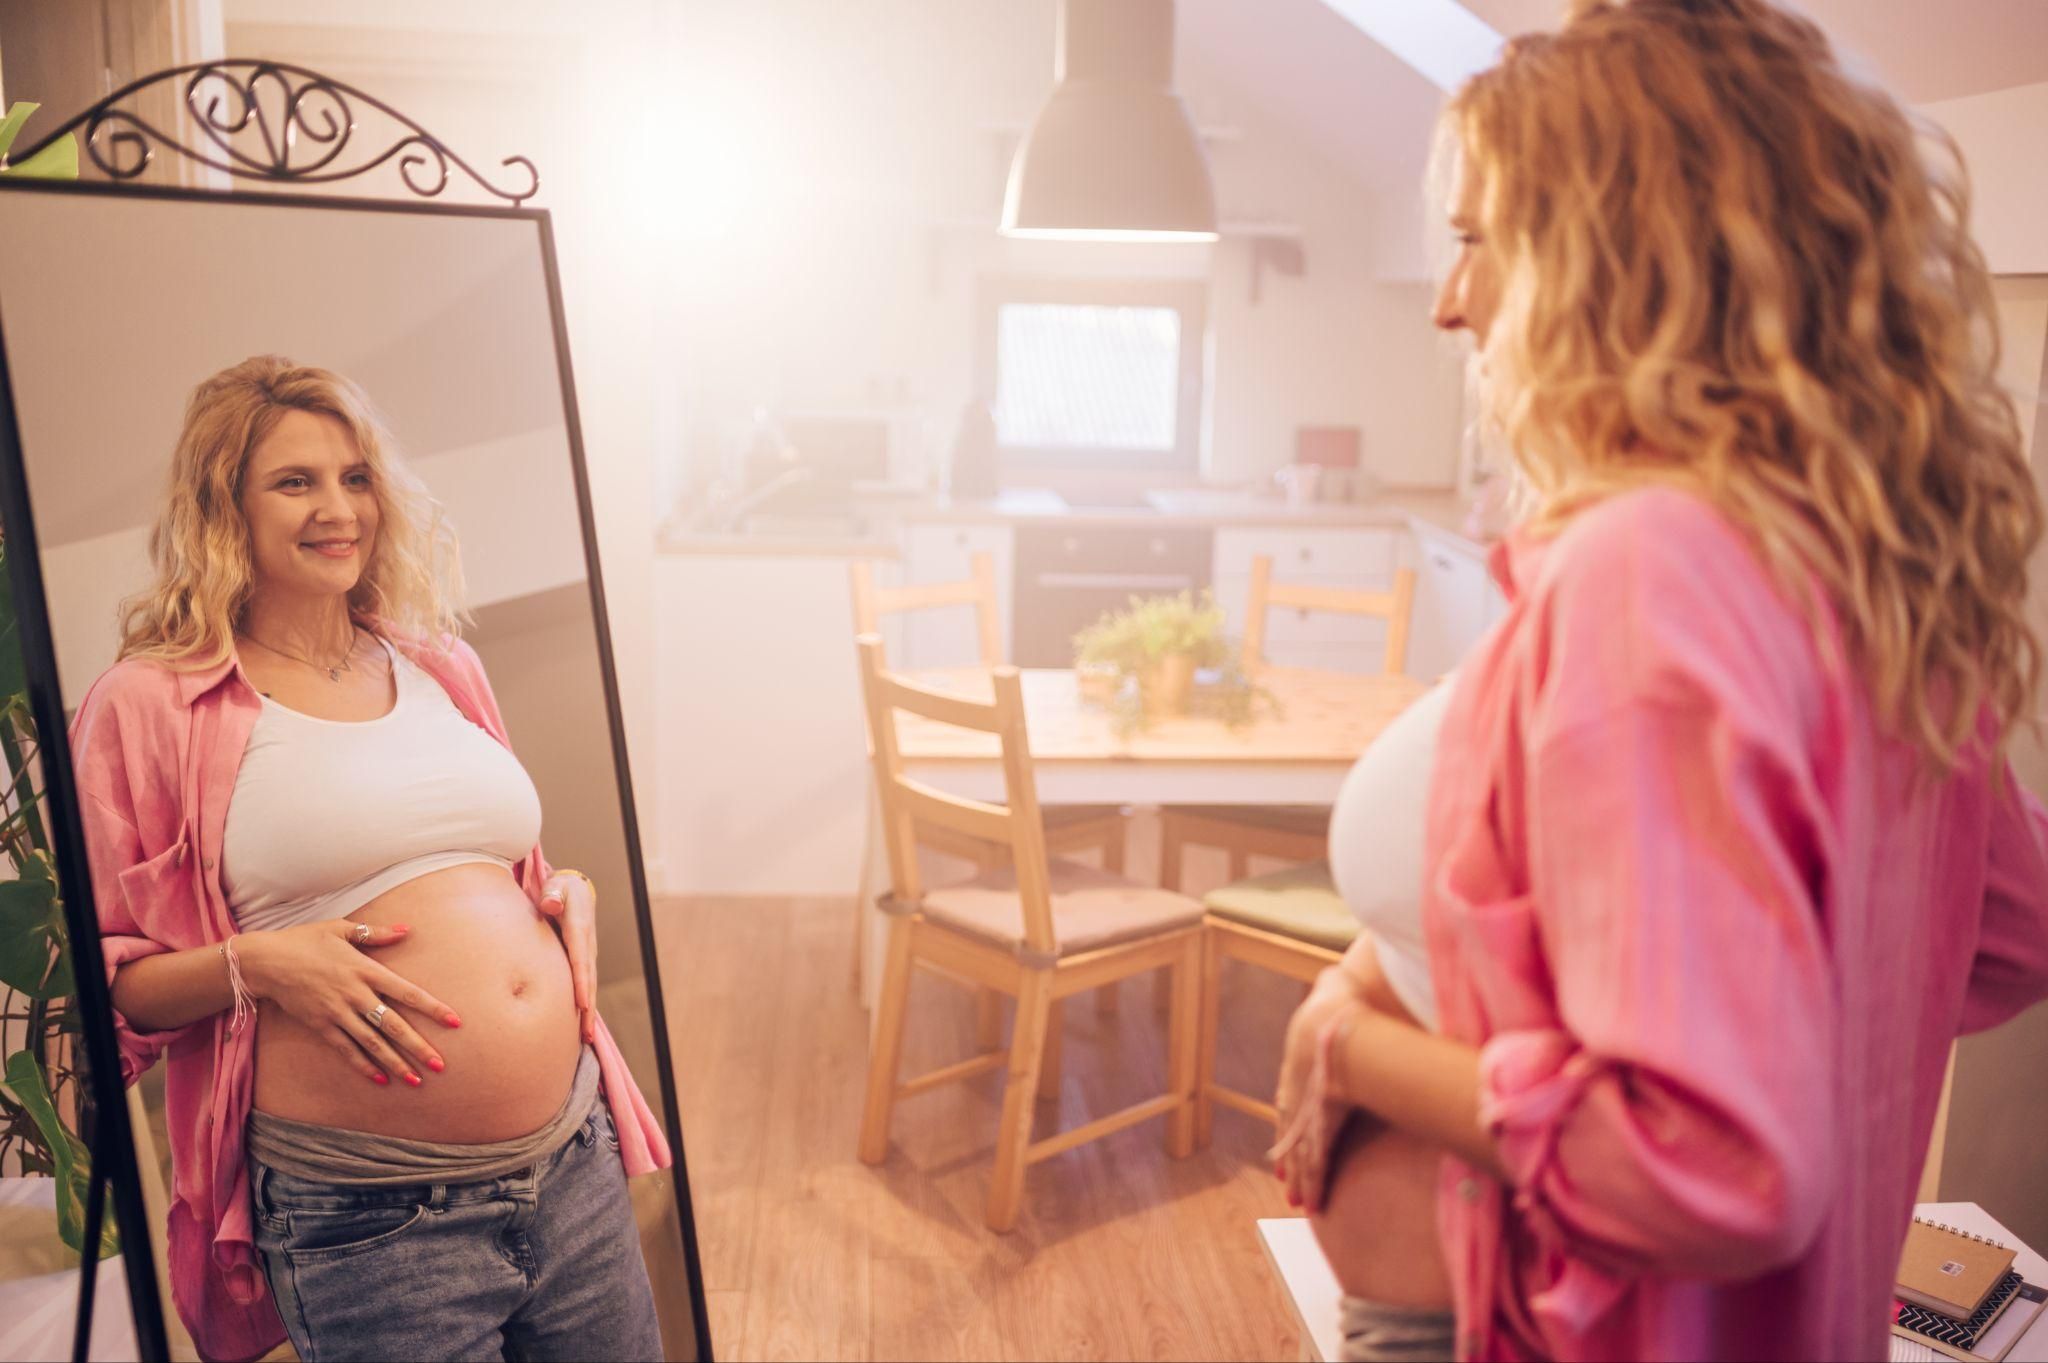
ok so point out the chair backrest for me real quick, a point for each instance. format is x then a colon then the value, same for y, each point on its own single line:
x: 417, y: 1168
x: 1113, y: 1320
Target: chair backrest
x: 1395, y: 607
x: 872, y: 602
x: 907, y: 803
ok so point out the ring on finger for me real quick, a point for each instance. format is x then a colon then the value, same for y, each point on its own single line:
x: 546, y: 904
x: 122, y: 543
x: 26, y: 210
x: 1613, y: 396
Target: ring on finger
x: 362, y: 933
x: 375, y: 1017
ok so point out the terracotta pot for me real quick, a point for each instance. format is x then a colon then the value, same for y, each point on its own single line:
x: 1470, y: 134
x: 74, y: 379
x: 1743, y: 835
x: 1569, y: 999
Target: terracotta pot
x: 1168, y: 685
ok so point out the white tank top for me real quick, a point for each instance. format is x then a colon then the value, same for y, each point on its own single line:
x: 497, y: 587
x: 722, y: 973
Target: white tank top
x: 328, y: 814
x: 1376, y: 836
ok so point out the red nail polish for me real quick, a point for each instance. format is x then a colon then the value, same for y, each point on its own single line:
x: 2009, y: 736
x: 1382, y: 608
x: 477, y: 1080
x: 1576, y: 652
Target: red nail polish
x: 380, y: 1079
x: 412, y: 1079
x: 400, y: 929
x: 434, y: 1064
x: 454, y: 1021
x: 1294, y: 1199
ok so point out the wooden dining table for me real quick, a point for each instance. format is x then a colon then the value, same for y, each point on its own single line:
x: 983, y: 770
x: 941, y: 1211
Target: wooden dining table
x: 1295, y: 751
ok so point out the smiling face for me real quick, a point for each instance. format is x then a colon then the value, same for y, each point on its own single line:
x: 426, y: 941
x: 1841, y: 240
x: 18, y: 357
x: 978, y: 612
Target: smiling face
x: 310, y: 501
x: 1471, y: 291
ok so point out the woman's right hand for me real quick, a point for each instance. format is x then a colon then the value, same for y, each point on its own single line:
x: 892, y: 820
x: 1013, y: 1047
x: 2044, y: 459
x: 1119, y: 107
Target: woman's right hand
x: 321, y: 975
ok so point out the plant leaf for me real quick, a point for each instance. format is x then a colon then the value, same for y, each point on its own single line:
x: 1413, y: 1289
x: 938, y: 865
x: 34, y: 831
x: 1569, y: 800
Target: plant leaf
x: 24, y: 1078
x: 10, y: 127
x: 35, y: 954
x: 13, y: 672
x: 58, y: 161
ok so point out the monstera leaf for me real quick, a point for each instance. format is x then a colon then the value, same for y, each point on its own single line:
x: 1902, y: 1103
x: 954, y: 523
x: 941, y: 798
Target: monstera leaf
x: 35, y: 950
x: 24, y: 1080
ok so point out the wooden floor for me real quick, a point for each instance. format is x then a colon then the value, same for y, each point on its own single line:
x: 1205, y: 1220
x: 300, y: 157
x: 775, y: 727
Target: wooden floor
x: 1121, y: 1253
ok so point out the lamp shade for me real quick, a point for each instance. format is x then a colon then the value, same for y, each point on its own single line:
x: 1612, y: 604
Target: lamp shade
x: 1113, y: 155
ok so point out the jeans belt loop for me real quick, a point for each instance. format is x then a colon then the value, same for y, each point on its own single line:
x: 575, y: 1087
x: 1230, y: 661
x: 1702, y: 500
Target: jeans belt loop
x: 437, y: 1198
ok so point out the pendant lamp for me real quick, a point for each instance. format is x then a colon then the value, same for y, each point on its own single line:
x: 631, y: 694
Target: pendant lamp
x: 1113, y: 155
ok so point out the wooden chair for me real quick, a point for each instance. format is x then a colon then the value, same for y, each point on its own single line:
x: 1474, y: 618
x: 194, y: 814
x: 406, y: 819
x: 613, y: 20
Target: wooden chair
x: 1036, y: 928
x: 1295, y: 834
x: 1069, y: 828
x: 1291, y: 922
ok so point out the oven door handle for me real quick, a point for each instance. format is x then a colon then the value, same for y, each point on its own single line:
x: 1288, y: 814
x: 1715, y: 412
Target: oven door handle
x: 1136, y: 582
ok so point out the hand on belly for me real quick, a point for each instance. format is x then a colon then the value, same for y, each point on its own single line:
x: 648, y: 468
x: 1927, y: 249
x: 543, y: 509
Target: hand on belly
x: 478, y: 945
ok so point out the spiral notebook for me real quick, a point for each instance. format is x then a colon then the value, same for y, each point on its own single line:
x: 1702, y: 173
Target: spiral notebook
x: 1948, y: 1270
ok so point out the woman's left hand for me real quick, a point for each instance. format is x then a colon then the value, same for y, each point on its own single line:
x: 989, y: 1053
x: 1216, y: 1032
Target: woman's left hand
x: 569, y: 900
x: 1305, y: 1168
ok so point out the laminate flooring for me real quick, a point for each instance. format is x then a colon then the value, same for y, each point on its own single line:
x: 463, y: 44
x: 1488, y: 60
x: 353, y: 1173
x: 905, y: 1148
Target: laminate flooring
x: 1122, y: 1252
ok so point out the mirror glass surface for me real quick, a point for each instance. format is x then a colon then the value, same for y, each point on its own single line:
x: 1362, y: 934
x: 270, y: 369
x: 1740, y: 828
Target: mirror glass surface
x: 114, y: 307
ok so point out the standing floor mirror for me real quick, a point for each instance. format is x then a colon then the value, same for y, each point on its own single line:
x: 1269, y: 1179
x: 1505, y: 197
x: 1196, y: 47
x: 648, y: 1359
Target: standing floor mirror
x: 115, y: 302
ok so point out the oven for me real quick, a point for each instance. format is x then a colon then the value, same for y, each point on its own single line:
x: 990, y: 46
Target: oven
x: 1068, y: 575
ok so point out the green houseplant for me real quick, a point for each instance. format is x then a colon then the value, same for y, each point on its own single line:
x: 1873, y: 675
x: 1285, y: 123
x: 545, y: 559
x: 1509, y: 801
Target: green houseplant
x: 1157, y: 644
x: 43, y: 1096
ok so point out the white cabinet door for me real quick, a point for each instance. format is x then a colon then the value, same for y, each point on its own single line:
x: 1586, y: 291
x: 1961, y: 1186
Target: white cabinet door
x: 1363, y: 558
x: 1455, y: 602
x: 946, y: 637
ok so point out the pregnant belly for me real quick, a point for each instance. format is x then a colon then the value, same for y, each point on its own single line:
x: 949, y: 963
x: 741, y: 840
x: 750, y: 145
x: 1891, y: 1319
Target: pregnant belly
x: 1378, y: 1224
x: 478, y: 946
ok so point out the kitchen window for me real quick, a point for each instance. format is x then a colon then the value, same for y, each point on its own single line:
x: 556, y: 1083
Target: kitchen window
x: 1093, y: 373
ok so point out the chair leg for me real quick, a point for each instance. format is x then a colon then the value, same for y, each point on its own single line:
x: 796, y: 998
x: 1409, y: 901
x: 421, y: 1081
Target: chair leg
x: 1055, y: 1047
x: 1113, y: 862
x: 988, y: 1018
x: 1169, y: 851
x: 1181, y: 1042
x: 1205, y: 1056
x: 1013, y: 1135
x: 886, y: 1050
x: 1240, y: 864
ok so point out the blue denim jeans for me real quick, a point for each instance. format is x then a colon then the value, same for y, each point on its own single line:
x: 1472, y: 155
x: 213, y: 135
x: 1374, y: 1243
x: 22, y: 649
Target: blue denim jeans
x: 542, y: 1264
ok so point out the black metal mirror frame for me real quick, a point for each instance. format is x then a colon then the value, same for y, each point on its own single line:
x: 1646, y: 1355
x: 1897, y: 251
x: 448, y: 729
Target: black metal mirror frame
x: 113, y: 1154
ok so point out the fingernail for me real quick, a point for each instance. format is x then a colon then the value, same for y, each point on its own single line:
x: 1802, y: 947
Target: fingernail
x: 380, y: 1079
x: 434, y: 1064
x: 453, y: 1021
x: 400, y: 929
x: 1293, y: 1199
x: 412, y: 1079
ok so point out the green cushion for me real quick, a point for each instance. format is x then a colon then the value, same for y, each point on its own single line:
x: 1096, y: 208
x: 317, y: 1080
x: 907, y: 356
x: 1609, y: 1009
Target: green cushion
x: 1299, y: 902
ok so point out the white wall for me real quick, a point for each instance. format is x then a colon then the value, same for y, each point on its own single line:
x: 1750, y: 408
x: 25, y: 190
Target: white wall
x: 2001, y: 135
x: 837, y: 205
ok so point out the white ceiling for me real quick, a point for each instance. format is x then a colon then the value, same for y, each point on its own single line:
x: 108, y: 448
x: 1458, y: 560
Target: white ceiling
x: 1923, y: 50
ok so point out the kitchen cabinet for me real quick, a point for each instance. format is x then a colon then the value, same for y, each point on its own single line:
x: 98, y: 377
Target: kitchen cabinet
x: 939, y: 552
x: 1456, y: 600
x: 1358, y: 557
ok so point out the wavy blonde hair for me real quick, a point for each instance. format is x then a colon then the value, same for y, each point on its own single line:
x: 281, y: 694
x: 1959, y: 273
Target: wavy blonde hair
x: 411, y: 586
x: 1726, y: 264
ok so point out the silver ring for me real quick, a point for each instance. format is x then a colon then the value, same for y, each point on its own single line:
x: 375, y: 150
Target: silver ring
x: 362, y: 934
x: 375, y: 1017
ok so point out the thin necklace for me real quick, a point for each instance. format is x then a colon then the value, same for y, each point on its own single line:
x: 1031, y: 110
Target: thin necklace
x: 333, y: 673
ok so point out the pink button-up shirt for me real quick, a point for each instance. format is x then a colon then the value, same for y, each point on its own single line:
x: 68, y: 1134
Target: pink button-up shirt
x: 156, y: 753
x: 1712, y: 942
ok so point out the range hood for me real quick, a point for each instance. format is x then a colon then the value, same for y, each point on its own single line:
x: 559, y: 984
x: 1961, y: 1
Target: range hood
x: 1113, y: 155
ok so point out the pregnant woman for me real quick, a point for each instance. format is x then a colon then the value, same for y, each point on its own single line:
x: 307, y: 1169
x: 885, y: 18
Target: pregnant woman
x: 1723, y: 847
x: 397, y: 1124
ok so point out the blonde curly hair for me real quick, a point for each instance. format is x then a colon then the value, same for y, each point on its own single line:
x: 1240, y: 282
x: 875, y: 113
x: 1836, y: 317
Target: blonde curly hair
x: 410, y: 587
x: 1726, y: 264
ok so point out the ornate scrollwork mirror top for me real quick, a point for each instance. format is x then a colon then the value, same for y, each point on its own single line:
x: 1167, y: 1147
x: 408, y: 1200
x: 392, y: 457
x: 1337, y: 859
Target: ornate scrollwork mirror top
x: 266, y: 120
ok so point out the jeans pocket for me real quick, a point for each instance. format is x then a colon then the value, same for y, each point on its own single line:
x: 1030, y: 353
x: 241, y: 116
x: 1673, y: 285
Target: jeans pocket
x: 607, y: 1130
x: 314, y: 1235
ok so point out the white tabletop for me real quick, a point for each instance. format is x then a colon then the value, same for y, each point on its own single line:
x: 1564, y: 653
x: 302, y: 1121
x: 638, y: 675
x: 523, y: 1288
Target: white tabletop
x: 1313, y: 1293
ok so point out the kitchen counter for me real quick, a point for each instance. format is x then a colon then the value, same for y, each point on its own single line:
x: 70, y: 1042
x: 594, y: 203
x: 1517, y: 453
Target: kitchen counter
x: 1189, y: 507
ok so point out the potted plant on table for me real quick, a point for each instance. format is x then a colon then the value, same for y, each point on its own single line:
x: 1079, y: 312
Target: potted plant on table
x: 1143, y: 661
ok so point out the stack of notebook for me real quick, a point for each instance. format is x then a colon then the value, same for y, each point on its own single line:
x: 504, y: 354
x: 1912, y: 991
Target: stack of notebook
x: 1957, y: 1293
